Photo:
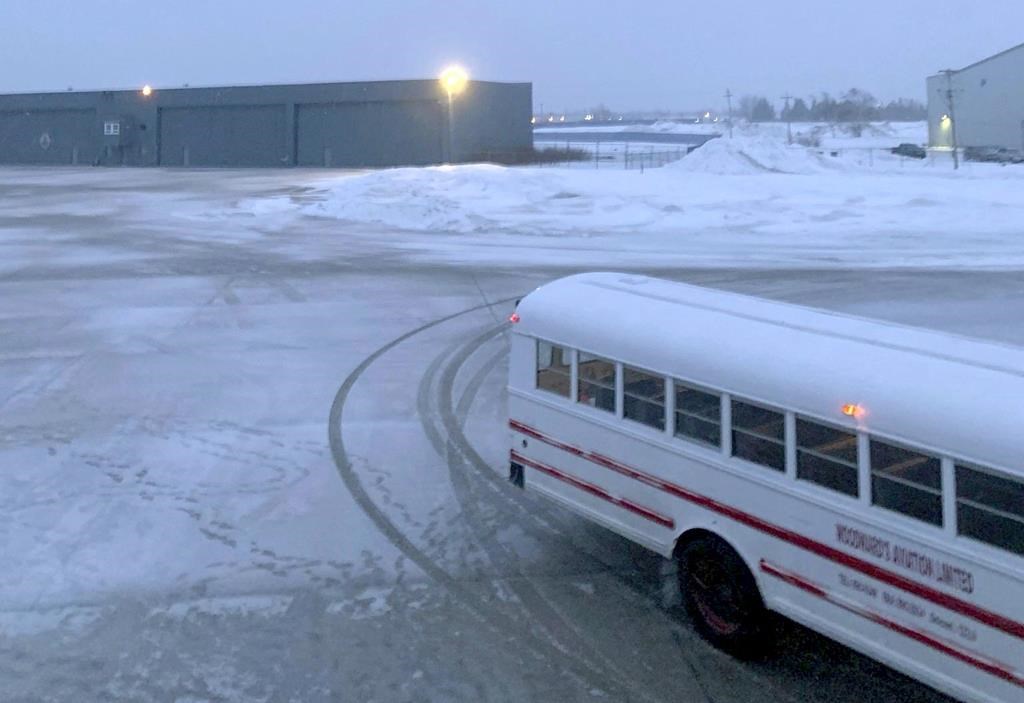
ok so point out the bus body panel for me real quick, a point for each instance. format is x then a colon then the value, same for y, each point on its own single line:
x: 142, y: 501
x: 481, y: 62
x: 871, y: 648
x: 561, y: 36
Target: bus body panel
x: 944, y: 609
x: 855, y: 600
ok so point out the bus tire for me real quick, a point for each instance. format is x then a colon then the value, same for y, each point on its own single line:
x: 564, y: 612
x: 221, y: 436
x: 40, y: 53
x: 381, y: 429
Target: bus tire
x: 722, y: 597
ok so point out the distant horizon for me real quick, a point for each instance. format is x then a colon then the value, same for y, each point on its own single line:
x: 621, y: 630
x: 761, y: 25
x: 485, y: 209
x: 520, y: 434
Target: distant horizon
x: 665, y: 56
x: 538, y: 108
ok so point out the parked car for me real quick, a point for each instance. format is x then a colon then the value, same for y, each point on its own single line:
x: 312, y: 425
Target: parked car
x: 998, y: 155
x: 912, y: 150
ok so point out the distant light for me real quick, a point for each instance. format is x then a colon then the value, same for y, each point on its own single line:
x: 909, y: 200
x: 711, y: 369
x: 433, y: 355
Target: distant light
x: 707, y: 115
x: 562, y: 118
x: 147, y: 90
x: 514, y: 318
x: 453, y: 80
x: 551, y: 118
x: 533, y: 120
x: 853, y: 410
x: 588, y: 118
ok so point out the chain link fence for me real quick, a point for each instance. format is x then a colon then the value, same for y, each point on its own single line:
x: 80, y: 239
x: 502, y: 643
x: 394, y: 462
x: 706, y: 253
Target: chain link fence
x: 612, y: 154
x: 596, y: 155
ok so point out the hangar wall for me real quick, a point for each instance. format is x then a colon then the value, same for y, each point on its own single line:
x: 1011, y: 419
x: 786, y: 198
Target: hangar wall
x: 372, y: 124
x: 57, y: 136
x: 985, y: 100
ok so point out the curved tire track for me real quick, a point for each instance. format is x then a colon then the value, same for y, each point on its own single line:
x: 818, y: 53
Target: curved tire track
x: 481, y: 607
x: 542, y: 613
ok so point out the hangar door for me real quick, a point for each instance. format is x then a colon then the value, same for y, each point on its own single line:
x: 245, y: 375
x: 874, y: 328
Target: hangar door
x: 48, y: 136
x: 394, y: 133
x: 223, y: 135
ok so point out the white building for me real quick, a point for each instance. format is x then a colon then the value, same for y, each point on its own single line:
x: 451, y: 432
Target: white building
x: 982, y: 104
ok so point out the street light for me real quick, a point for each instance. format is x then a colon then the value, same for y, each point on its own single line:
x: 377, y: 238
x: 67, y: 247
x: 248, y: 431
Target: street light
x: 147, y: 90
x: 453, y: 80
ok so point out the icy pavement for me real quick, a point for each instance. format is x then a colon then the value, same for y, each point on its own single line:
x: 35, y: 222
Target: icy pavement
x: 245, y: 458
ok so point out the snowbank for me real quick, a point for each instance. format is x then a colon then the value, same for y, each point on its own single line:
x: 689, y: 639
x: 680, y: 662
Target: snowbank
x: 746, y: 155
x: 816, y: 148
x: 751, y: 200
x: 484, y: 198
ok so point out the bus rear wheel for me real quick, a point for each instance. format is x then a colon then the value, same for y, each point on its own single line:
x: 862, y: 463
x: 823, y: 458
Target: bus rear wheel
x: 722, y: 598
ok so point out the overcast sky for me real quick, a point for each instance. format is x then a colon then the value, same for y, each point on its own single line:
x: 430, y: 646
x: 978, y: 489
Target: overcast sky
x: 673, y: 54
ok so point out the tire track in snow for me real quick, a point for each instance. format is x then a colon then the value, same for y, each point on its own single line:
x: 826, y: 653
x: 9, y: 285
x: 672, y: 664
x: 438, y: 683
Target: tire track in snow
x: 477, y: 604
x: 545, y: 618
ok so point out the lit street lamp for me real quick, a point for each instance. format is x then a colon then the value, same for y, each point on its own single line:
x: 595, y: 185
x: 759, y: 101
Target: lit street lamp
x: 147, y: 90
x: 453, y: 80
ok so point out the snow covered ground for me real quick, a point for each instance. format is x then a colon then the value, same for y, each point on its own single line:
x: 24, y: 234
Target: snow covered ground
x: 747, y: 201
x: 196, y: 506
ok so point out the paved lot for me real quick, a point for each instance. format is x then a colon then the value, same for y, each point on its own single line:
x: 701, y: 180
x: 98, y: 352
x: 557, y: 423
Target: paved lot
x: 233, y: 472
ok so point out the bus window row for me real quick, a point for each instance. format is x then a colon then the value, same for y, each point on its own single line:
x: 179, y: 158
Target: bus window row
x: 989, y: 503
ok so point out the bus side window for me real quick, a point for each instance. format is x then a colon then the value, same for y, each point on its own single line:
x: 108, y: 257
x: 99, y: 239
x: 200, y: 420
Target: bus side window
x: 827, y: 456
x: 906, y: 482
x: 990, y: 507
x: 554, y: 372
x: 759, y: 435
x: 596, y: 379
x: 643, y: 397
x: 698, y: 415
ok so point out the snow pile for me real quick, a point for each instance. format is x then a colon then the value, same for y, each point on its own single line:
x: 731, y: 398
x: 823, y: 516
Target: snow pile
x: 440, y: 198
x: 817, y: 148
x: 482, y: 198
x: 747, y: 155
x: 859, y: 207
x: 872, y: 135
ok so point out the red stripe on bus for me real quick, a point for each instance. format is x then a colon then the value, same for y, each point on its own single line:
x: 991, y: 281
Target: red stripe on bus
x: 979, y: 661
x: 986, y: 617
x: 596, y: 491
x: 794, y: 580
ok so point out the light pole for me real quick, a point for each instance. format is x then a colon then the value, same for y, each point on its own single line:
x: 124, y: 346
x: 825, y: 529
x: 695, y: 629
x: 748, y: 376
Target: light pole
x: 453, y: 80
x: 950, y: 120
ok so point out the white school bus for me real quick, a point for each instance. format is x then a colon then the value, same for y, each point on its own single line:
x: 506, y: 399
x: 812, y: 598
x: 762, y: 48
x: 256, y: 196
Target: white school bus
x: 862, y: 478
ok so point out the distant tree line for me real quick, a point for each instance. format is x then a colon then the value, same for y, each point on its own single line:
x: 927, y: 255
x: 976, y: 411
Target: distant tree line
x: 854, y: 105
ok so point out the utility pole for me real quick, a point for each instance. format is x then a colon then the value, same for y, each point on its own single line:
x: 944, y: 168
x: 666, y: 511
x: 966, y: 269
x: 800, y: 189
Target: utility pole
x: 952, y: 117
x: 789, y: 119
x: 728, y: 97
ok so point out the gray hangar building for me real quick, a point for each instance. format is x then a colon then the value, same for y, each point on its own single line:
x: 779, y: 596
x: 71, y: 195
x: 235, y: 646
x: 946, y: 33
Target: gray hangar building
x: 980, y: 106
x: 367, y: 124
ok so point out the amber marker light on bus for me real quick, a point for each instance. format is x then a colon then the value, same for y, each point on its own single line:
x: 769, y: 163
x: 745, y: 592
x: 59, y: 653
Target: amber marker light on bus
x: 513, y: 318
x: 853, y: 410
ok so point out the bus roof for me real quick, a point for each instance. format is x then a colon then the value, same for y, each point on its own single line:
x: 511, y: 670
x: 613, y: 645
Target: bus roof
x: 944, y: 392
